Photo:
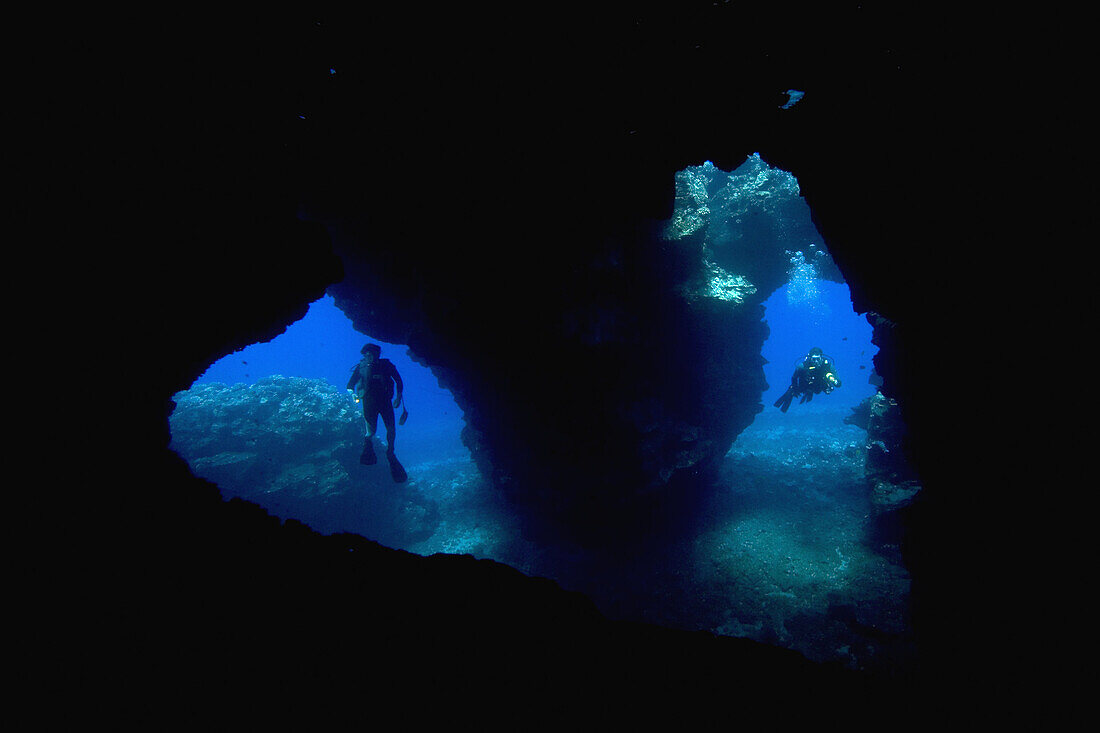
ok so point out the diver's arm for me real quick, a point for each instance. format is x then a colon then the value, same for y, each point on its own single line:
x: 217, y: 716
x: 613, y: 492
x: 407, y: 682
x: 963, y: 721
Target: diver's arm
x: 399, y: 386
x: 354, y: 377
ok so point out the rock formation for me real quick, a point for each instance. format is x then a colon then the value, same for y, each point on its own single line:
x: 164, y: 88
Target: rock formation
x: 292, y: 445
x: 892, y: 483
x: 602, y: 380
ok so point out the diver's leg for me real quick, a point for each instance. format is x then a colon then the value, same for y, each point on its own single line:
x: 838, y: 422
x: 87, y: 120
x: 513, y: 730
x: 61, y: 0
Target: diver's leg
x: 391, y: 429
x: 370, y: 413
x: 397, y: 471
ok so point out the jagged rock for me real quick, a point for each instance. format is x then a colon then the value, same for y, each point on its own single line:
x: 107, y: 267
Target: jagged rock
x: 890, y: 476
x: 269, y: 426
x: 292, y: 445
x: 751, y: 225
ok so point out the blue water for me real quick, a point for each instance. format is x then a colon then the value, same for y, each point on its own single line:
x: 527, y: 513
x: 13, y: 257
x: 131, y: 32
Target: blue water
x: 324, y: 345
x: 808, y: 313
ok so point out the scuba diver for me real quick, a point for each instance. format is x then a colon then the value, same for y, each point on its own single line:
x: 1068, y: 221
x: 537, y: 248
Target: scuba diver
x: 816, y: 374
x: 372, y: 382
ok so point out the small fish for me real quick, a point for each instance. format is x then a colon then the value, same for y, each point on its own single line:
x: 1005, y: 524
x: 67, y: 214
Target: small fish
x: 793, y: 95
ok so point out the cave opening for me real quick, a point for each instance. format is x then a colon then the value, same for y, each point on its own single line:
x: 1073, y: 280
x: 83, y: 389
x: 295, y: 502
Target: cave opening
x: 795, y: 540
x: 787, y: 550
x: 809, y: 313
x: 796, y: 544
x: 274, y: 424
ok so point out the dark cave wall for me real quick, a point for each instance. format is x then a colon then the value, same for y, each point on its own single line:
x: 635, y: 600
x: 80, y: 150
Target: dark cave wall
x: 244, y: 129
x: 596, y: 395
x: 604, y: 361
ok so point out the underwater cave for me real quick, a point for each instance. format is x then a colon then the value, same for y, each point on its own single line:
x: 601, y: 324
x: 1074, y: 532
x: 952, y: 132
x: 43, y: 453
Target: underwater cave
x: 528, y: 215
x: 781, y: 545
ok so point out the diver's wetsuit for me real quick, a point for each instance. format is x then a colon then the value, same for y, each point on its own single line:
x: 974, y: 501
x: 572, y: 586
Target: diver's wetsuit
x: 376, y: 384
x: 816, y: 374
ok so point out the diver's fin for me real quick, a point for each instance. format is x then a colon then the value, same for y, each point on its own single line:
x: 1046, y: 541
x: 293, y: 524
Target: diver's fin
x: 368, y: 458
x: 397, y: 471
x: 784, y: 400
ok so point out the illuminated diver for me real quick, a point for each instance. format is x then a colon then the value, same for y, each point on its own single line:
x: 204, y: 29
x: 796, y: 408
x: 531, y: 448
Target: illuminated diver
x: 816, y: 374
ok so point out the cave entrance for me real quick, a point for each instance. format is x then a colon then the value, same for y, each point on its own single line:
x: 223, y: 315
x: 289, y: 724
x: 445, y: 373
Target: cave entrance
x: 758, y: 246
x: 793, y: 550
x: 803, y: 548
x: 274, y: 424
x: 324, y: 346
